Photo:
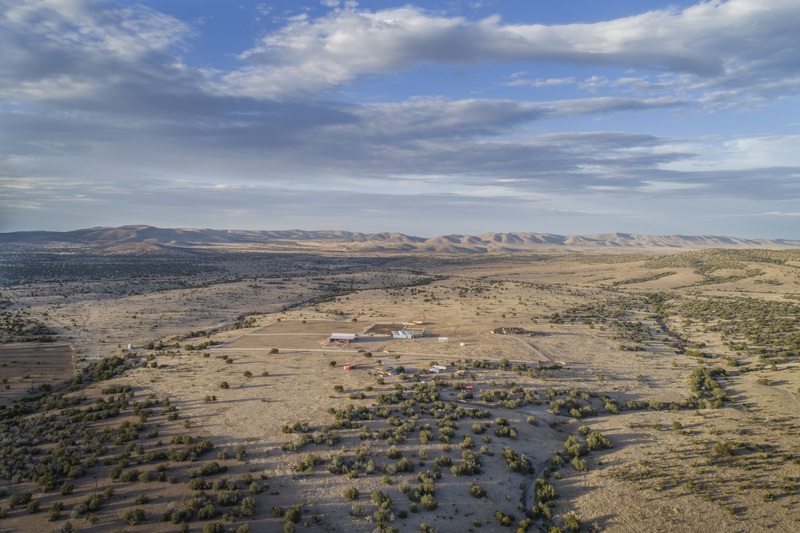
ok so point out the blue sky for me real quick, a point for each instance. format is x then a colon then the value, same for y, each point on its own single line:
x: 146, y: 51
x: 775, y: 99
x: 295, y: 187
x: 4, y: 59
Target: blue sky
x: 575, y: 117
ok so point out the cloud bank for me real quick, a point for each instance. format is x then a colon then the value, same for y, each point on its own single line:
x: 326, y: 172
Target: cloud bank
x: 102, y: 113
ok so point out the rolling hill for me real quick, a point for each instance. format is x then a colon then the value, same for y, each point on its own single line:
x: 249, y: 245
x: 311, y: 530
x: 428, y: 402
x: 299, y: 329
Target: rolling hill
x: 101, y: 237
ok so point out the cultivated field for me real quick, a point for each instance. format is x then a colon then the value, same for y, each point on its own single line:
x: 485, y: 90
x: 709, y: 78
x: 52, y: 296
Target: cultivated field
x: 652, y: 392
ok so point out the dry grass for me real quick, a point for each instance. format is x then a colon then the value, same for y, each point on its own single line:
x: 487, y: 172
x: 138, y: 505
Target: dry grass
x: 663, y: 472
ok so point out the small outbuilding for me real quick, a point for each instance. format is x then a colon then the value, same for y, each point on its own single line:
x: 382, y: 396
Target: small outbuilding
x: 342, y: 338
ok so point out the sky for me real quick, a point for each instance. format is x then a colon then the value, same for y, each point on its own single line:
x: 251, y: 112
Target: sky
x: 428, y: 118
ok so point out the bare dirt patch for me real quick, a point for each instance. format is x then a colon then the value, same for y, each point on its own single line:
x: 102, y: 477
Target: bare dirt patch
x: 25, y: 368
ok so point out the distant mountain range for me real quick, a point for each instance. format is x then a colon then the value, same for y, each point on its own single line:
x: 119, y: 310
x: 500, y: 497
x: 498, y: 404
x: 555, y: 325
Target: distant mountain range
x: 483, y: 243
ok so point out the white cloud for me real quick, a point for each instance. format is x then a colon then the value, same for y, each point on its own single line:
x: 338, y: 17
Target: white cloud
x: 70, y: 48
x: 780, y: 214
x: 670, y: 186
x: 95, y: 27
x: 744, y: 153
x: 723, y: 52
x: 540, y: 82
x: 721, y: 45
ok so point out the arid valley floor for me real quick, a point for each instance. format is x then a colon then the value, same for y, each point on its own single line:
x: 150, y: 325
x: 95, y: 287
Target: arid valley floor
x: 194, y: 388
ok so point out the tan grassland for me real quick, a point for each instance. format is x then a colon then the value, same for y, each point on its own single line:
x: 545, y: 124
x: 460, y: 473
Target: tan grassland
x: 673, y: 465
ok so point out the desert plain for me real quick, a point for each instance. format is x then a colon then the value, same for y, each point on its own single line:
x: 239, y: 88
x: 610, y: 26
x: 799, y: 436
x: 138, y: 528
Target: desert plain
x: 197, y: 388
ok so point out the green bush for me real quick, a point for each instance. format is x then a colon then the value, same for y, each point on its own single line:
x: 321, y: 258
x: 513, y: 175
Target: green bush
x: 293, y: 514
x: 579, y: 464
x: 209, y: 469
x: 199, y: 483
x: 516, y: 462
x: 55, y: 512
x: 248, y: 506
x: 213, y: 527
x: 19, y: 498
x: 477, y: 491
x: 207, y: 511
x: 378, y: 497
x: 725, y: 448
x: 505, y: 519
x: 571, y: 523
x: 545, y: 492
x: 596, y: 441
x: 429, y: 502
x: 574, y: 447
x: 240, y: 452
x: 134, y: 516
x: 356, y: 510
